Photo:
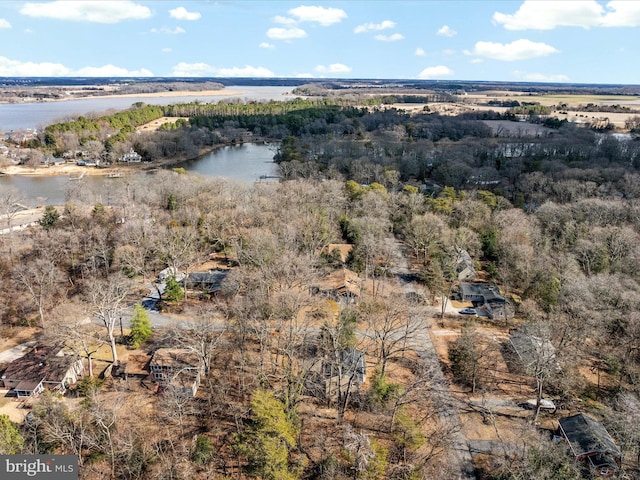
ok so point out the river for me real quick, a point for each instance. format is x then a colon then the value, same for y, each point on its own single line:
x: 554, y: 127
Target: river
x: 247, y: 163
x: 20, y: 116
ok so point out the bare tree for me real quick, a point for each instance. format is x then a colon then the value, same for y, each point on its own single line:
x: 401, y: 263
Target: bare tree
x: 202, y: 335
x: 11, y: 202
x: 106, y: 303
x: 40, y: 278
x: 76, y: 332
x: 391, y: 325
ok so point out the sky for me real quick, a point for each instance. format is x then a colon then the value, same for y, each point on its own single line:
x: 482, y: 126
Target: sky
x: 571, y: 41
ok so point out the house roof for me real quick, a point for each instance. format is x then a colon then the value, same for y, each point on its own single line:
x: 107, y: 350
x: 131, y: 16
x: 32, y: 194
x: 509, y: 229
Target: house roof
x: 42, y: 363
x: 137, y: 364
x: 489, y: 291
x: 175, y: 358
x: 342, y: 282
x: 587, y: 436
x: 532, y: 349
x: 352, y: 361
x: 211, y: 280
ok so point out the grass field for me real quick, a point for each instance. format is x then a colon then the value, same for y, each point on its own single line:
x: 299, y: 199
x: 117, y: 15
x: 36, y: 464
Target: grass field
x: 585, y: 99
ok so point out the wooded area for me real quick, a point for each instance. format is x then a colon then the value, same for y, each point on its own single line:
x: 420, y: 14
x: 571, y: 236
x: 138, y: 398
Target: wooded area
x: 310, y: 372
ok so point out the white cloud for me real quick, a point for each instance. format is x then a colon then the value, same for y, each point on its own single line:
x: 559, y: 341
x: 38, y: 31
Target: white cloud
x: 111, y: 71
x: 4, y: 23
x: 517, y: 50
x: 266, y: 45
x: 435, y: 72
x: 14, y: 68
x: 182, y: 13
x: 369, y: 27
x: 537, y: 15
x: 389, y: 38
x: 540, y: 77
x: 284, y: 20
x: 168, y: 30
x: 420, y: 52
x: 167, y: 50
x: 205, y: 70
x: 333, y: 68
x: 277, y: 33
x: 303, y: 75
x: 448, y: 51
x: 87, y: 10
x: 477, y: 60
x: 446, y: 31
x: 323, y: 16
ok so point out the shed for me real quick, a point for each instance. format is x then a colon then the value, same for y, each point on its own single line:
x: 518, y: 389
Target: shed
x: 176, y: 368
x: 589, y: 441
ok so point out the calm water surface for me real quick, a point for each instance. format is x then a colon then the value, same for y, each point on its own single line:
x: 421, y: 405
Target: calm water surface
x: 246, y: 163
x: 18, y: 116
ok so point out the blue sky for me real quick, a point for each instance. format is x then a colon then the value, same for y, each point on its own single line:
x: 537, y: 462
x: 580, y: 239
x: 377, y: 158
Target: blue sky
x: 533, y: 40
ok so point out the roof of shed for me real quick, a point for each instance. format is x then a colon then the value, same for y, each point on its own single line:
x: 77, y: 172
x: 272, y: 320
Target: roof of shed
x: 587, y: 435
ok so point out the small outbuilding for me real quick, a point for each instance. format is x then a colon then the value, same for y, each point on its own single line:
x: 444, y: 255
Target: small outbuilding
x: 176, y: 368
x: 590, y: 442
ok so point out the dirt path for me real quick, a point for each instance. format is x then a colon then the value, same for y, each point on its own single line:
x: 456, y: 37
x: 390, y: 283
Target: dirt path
x: 460, y: 455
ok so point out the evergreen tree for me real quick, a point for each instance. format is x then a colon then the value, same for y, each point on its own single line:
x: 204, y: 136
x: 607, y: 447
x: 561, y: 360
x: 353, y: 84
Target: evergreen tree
x: 50, y: 217
x: 140, y: 326
x: 268, y: 441
x: 11, y: 441
x: 173, y: 292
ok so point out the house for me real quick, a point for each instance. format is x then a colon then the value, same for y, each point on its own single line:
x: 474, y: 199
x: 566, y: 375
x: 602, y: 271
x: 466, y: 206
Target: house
x: 344, y: 371
x: 590, y: 442
x: 349, y: 369
x: 486, y: 295
x: 206, y: 282
x: 341, y: 283
x: 176, y: 368
x: 44, y: 367
x: 464, y: 266
x: 131, y: 157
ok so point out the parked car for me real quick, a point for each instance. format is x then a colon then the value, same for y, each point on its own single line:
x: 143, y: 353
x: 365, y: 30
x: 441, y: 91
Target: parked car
x: 468, y: 311
x: 545, y: 405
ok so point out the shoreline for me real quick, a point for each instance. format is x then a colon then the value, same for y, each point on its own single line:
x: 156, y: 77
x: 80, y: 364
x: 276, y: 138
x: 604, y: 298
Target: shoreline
x: 186, y: 93
x: 72, y: 169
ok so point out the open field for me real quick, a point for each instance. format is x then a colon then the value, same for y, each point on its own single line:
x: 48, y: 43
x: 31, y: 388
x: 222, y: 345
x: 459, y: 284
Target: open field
x: 575, y: 100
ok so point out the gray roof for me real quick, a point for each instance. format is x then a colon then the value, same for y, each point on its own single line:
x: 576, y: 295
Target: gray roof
x: 489, y: 291
x: 210, y: 281
x: 586, y: 436
x: 530, y: 348
x: 353, y: 363
x: 42, y: 363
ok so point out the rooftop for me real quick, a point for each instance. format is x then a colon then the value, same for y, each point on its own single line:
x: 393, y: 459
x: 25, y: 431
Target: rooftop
x: 43, y: 362
x: 175, y: 358
x: 587, y: 436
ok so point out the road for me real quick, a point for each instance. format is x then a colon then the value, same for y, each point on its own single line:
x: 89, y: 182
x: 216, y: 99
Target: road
x: 460, y: 454
x: 16, y: 352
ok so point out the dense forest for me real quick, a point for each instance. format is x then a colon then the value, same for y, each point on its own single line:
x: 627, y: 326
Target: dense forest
x: 551, y: 215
